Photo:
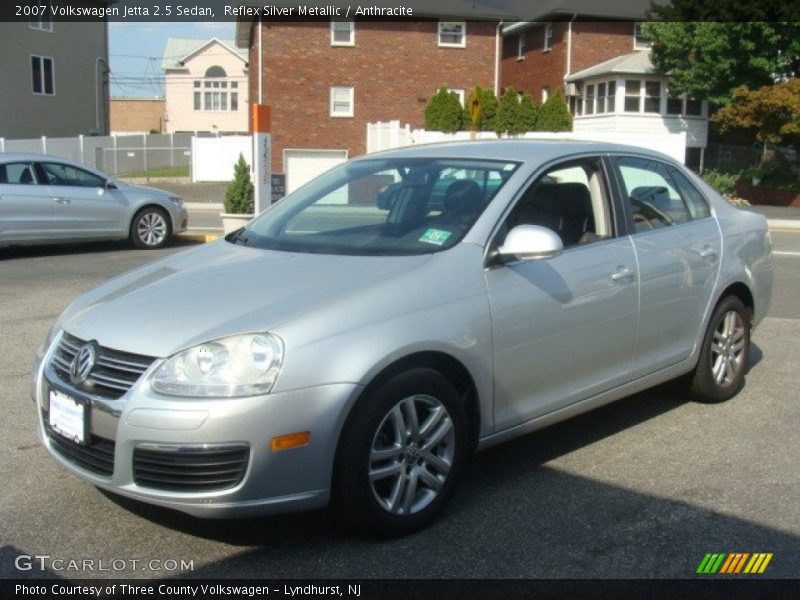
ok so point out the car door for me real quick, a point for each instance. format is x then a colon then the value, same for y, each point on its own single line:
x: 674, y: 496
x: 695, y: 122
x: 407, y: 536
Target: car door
x: 678, y: 248
x: 564, y: 328
x: 26, y: 210
x: 83, y: 206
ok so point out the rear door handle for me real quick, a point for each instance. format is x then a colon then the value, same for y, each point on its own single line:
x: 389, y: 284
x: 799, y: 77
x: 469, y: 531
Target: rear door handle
x: 623, y: 273
x: 709, y: 253
x: 62, y: 200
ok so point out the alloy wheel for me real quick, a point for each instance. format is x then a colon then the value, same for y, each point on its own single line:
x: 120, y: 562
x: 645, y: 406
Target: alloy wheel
x: 152, y: 229
x: 727, y: 349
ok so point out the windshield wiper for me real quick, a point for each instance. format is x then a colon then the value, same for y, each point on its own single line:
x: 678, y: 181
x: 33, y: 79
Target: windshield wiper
x: 238, y: 237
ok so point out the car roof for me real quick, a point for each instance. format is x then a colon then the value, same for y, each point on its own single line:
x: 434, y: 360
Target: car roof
x: 14, y: 156
x: 528, y: 150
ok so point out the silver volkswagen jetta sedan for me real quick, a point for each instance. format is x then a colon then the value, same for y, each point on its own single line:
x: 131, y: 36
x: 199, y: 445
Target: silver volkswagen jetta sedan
x: 360, y: 338
x: 48, y: 200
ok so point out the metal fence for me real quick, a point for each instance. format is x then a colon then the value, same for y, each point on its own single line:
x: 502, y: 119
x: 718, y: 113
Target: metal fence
x: 138, y: 155
x: 724, y: 157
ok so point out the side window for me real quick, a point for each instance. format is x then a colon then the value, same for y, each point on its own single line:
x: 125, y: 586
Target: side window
x: 17, y: 173
x: 698, y: 205
x: 60, y: 174
x: 652, y: 194
x: 571, y: 199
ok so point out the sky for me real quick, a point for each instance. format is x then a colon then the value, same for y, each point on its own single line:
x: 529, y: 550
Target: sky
x: 136, y: 50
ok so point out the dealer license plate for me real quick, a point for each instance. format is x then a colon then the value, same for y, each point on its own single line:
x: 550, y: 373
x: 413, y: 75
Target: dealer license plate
x: 67, y: 417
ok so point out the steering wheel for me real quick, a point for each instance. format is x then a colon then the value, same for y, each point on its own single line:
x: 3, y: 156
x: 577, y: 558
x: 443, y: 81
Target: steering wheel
x: 648, y: 207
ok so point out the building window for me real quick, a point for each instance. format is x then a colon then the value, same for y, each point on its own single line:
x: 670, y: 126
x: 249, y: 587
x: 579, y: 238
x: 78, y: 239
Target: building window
x: 694, y: 107
x: 611, y: 97
x: 545, y: 93
x: 43, y: 76
x: 548, y: 37
x: 601, y: 97
x: 640, y: 42
x: 632, y: 93
x: 652, y: 96
x: 674, y: 104
x: 460, y: 93
x: 343, y: 33
x: 42, y: 20
x: 521, y: 46
x: 342, y: 101
x: 452, y: 34
x: 589, y: 107
x: 216, y: 92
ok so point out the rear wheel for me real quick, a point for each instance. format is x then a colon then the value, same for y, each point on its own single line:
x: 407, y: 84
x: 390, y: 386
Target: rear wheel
x: 725, y: 353
x: 150, y: 228
x: 400, y: 455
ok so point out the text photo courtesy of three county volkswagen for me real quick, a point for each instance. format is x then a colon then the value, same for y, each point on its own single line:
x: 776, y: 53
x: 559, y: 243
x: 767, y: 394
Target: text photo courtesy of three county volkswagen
x: 332, y: 297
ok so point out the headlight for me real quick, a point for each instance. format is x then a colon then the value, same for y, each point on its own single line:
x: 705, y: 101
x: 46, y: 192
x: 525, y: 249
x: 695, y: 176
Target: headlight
x: 176, y: 200
x: 241, y: 365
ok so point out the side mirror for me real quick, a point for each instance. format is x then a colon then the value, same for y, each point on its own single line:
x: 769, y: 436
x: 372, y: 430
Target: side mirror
x: 110, y: 185
x: 530, y: 242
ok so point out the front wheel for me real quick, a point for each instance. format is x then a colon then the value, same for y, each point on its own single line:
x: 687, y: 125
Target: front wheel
x: 400, y: 455
x: 150, y: 229
x: 725, y: 353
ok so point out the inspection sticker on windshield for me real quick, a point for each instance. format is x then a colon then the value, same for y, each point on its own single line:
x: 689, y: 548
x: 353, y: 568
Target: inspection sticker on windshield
x: 436, y: 237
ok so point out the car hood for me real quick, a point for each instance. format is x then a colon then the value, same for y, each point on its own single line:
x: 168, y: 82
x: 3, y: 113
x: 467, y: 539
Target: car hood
x: 129, y: 187
x: 217, y: 290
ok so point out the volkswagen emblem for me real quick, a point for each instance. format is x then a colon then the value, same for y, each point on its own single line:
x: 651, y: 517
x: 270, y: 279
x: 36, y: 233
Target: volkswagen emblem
x: 82, y: 364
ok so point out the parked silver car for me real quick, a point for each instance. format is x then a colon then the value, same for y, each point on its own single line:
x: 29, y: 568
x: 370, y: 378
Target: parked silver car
x: 335, y: 350
x: 47, y: 199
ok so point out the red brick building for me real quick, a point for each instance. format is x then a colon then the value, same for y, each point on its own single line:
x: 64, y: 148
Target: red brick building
x: 326, y: 80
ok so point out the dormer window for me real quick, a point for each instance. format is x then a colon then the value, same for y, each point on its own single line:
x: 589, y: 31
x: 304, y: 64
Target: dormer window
x: 640, y: 42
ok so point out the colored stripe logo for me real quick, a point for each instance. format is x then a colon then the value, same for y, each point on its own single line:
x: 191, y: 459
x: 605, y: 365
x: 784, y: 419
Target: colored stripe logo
x: 733, y: 563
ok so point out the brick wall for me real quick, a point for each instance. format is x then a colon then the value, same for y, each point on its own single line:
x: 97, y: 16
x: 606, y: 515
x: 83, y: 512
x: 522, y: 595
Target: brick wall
x: 592, y: 42
x: 395, y: 67
x: 136, y: 114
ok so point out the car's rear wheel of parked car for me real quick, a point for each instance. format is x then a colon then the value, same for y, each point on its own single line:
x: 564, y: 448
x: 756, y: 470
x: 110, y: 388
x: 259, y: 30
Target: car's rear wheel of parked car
x: 400, y: 454
x: 725, y: 353
x: 150, y: 228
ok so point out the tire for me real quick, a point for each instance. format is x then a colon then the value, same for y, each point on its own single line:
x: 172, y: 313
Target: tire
x: 388, y: 480
x: 725, y: 354
x: 150, y: 228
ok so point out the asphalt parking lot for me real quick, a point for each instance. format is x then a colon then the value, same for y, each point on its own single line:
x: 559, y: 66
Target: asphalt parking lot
x: 642, y: 488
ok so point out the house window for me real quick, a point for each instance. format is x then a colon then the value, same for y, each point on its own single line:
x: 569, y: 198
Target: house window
x: 674, y: 104
x: 632, y: 93
x: 521, y: 46
x: 216, y: 92
x: 611, y: 97
x: 342, y: 101
x: 548, y: 37
x: 41, y: 18
x: 459, y: 93
x: 589, y: 108
x: 640, y: 42
x: 343, y: 33
x: 652, y: 96
x: 694, y: 107
x: 43, y: 76
x: 452, y: 34
x: 545, y: 93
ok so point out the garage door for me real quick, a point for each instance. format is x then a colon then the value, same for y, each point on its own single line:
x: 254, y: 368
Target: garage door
x: 303, y: 165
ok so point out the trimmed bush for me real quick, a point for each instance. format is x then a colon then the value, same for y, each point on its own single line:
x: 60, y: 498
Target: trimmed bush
x: 528, y: 113
x: 240, y: 194
x: 508, y: 114
x: 554, y: 114
x: 444, y: 112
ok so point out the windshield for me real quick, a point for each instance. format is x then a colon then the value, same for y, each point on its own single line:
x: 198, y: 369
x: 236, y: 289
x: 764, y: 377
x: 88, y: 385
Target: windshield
x: 381, y: 206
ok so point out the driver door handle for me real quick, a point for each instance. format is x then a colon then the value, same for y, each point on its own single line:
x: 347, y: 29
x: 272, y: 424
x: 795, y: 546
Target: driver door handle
x: 623, y: 274
x: 709, y: 253
x: 62, y: 200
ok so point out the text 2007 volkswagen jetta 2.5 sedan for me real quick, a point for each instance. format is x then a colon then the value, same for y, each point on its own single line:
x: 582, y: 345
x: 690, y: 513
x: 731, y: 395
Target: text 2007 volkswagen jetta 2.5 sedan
x: 360, y: 338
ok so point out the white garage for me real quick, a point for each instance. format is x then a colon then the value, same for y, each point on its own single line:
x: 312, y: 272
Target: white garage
x: 302, y: 166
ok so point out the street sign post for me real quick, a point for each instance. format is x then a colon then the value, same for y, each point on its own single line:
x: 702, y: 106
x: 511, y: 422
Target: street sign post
x: 262, y: 157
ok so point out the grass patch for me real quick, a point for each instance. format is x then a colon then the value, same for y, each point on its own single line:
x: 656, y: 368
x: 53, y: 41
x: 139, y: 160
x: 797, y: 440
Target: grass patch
x: 160, y: 172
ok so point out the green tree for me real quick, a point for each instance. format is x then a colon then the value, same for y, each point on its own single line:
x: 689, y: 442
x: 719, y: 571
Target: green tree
x: 508, y: 114
x: 444, y: 112
x: 554, y: 114
x: 240, y: 195
x: 708, y: 59
x: 770, y: 113
x: 488, y: 109
x: 528, y: 113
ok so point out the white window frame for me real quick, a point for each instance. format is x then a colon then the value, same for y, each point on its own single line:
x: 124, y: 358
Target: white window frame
x: 342, y: 115
x: 462, y: 95
x: 547, y: 44
x: 462, y: 44
x: 636, y: 44
x: 41, y: 74
x: 521, y: 46
x: 352, y: 29
x: 205, y: 85
x: 43, y: 22
x: 545, y: 93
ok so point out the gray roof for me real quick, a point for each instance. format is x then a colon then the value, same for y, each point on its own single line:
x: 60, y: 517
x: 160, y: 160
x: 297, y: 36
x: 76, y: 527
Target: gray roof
x: 635, y: 63
x: 179, y: 48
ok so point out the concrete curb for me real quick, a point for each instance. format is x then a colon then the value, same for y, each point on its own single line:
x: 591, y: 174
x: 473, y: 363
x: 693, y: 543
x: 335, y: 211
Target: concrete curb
x: 199, y: 237
x: 210, y: 206
x: 793, y: 224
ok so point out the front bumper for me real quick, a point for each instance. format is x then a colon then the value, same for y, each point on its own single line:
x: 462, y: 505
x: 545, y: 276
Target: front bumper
x: 294, y: 479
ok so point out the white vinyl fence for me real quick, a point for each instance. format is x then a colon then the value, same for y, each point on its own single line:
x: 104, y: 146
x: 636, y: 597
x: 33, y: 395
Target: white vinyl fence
x: 388, y: 135
x: 213, y: 159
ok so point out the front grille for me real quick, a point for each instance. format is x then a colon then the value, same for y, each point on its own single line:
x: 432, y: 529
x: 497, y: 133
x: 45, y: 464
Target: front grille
x: 113, y: 373
x: 97, y: 456
x: 190, y: 469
